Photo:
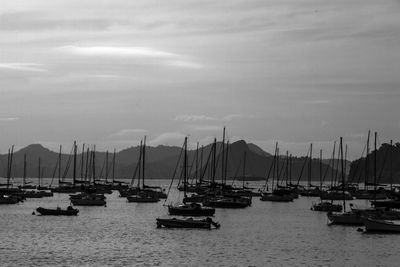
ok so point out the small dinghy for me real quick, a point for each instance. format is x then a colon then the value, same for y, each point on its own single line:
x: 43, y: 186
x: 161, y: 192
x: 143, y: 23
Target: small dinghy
x: 70, y: 211
x: 187, y: 223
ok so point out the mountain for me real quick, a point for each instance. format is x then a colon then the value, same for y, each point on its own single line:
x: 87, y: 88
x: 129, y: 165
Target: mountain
x: 256, y: 149
x: 384, y: 155
x: 161, y: 162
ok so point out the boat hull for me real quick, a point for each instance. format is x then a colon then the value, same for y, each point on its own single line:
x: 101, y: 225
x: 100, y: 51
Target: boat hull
x: 57, y: 212
x: 188, y: 223
x: 373, y: 225
x: 189, y: 211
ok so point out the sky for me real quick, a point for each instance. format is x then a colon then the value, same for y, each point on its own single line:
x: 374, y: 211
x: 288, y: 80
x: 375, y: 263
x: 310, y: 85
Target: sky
x: 110, y: 72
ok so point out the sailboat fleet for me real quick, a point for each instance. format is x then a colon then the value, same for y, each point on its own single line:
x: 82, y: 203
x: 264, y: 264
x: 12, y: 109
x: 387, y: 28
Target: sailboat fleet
x: 205, y: 187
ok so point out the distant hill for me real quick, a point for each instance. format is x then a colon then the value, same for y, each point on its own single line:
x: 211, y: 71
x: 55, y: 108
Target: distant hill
x: 256, y: 149
x: 361, y: 171
x: 161, y: 162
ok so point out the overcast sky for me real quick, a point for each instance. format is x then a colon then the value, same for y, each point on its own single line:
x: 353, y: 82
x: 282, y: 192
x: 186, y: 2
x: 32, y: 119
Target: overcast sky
x: 110, y: 72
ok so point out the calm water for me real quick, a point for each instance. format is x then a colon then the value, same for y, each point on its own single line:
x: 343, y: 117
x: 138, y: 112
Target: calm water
x: 125, y: 234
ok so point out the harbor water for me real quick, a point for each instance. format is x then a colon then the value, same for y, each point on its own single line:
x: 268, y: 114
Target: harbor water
x: 125, y: 234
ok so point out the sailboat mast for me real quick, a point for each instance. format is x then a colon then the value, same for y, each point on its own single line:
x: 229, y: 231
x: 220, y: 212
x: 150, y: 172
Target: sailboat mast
x: 87, y: 162
x: 201, y: 162
x: 39, y: 174
x: 94, y: 164
x: 309, y: 167
x: 277, y: 167
x: 375, y: 169
x: 223, y: 156
x: 59, y: 166
x: 24, y: 180
x: 82, y: 160
x: 10, y: 168
x: 342, y: 172
x: 113, y: 167
x: 197, y: 162
x: 333, y: 164
x: 143, y: 161
x: 290, y: 170
x: 391, y: 165
x: 140, y: 163
x: 106, y: 166
x: 74, y: 170
x: 367, y: 164
x: 214, y: 161
x: 287, y: 167
x: 185, y: 169
x: 226, y: 161
x: 320, y: 169
x: 244, y: 167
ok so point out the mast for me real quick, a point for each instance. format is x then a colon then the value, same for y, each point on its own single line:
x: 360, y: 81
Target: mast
x: 375, y: 169
x: 277, y: 167
x: 290, y: 170
x: 113, y: 167
x: 87, y: 162
x: 82, y: 160
x: 24, y: 180
x: 342, y: 172
x: 39, y: 174
x: 223, y: 156
x: 274, y: 167
x: 197, y: 162
x: 74, y: 171
x: 333, y: 164
x: 214, y: 161
x: 59, y: 166
x: 94, y: 164
x: 226, y: 161
x: 391, y: 165
x: 106, y: 166
x: 201, y: 162
x: 185, y: 169
x: 143, y: 160
x: 10, y: 166
x: 244, y: 166
x: 139, y: 162
x: 320, y: 169
x: 287, y: 167
x: 367, y: 164
x: 309, y: 167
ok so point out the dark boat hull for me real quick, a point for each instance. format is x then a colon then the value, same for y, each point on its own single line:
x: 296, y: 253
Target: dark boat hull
x: 188, y: 223
x: 58, y: 212
x: 191, y: 211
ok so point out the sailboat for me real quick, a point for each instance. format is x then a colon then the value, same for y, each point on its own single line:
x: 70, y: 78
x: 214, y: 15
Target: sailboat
x: 278, y: 194
x: 86, y: 198
x: 366, y: 193
x: 192, y: 209
x: 351, y: 217
x: 325, y: 205
x: 144, y: 195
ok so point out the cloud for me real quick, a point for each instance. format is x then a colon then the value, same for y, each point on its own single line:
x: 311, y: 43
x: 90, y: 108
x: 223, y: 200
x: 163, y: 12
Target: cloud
x: 9, y: 119
x: 185, y: 64
x: 210, y: 128
x: 189, y: 117
x: 116, y: 51
x: 168, y: 137
x: 195, y: 118
x: 22, y: 66
x: 237, y: 116
x: 128, y: 132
